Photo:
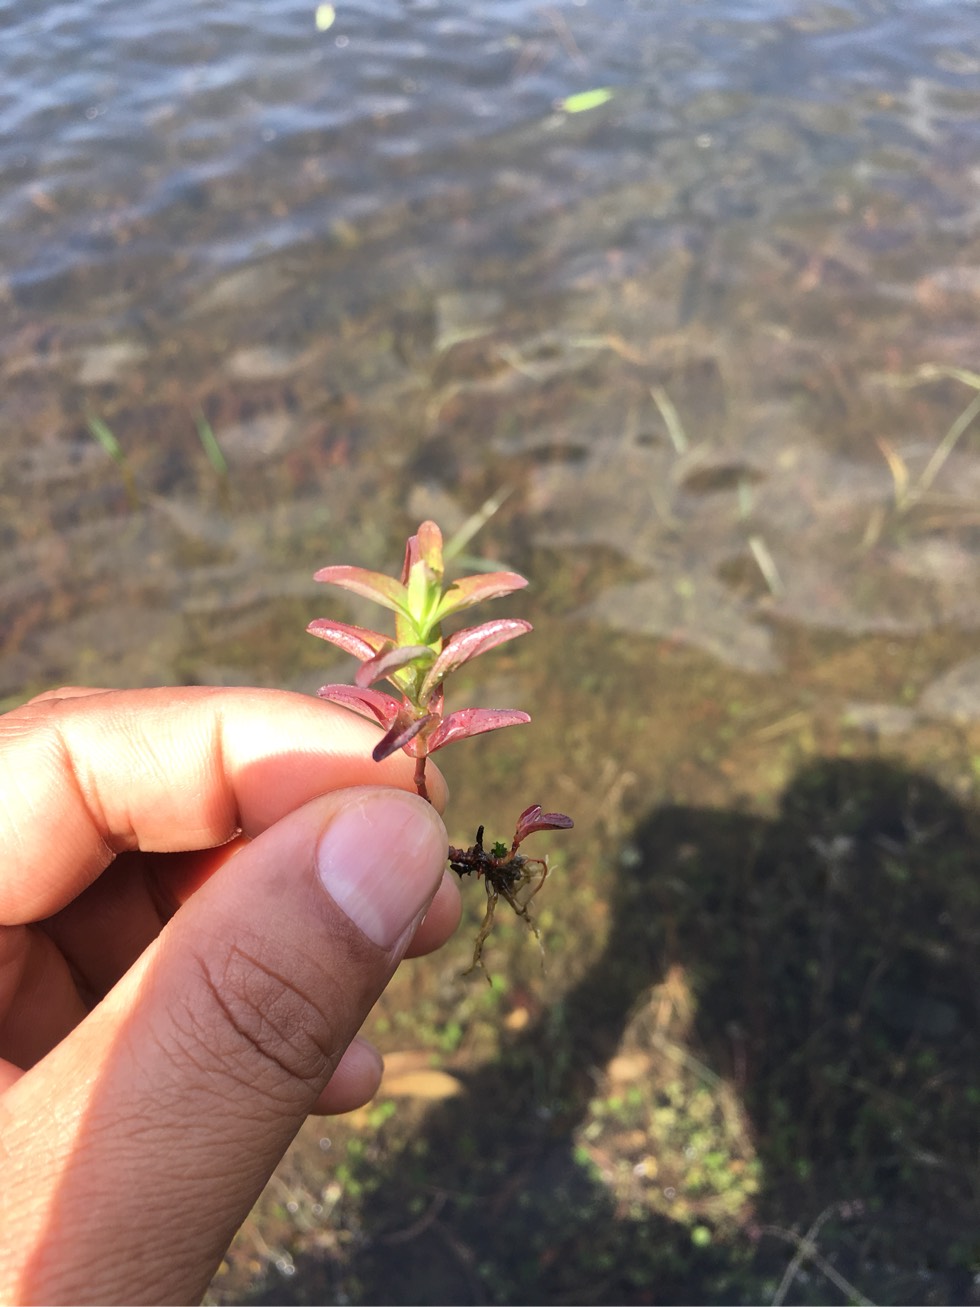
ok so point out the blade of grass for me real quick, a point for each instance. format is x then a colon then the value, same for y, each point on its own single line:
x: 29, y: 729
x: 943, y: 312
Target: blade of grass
x: 672, y: 419
x: 899, y: 470
x: 946, y: 447
x: 103, y: 433
x: 930, y: 371
x: 209, y: 443
x: 475, y: 522
x: 767, y: 566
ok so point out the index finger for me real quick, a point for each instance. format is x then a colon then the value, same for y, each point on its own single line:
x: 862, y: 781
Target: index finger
x: 88, y: 775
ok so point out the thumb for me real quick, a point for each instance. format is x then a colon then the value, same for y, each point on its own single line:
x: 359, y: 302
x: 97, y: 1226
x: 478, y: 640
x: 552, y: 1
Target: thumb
x: 136, y: 1148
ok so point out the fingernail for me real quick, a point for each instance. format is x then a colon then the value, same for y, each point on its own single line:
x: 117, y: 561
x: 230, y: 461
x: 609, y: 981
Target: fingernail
x: 381, y: 859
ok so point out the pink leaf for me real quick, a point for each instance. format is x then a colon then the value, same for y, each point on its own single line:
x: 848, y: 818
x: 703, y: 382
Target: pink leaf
x: 359, y: 641
x: 473, y: 721
x: 373, y: 585
x: 373, y: 704
x: 533, y: 819
x: 469, y: 590
x: 435, y: 702
x: 430, y: 546
x: 464, y: 645
x: 411, y: 556
x: 426, y: 545
x: 391, y: 660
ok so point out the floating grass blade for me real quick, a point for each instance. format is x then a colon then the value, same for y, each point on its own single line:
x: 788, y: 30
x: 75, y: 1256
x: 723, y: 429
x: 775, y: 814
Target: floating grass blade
x: 586, y: 100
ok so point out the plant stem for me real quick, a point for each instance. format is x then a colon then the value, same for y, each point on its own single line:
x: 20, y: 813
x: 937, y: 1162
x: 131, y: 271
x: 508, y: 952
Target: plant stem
x: 420, y: 785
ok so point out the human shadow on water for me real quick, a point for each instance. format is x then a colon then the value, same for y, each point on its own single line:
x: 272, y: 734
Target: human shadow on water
x: 828, y: 962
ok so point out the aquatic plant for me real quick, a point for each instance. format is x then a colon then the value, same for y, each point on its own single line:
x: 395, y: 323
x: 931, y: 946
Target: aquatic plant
x: 416, y: 663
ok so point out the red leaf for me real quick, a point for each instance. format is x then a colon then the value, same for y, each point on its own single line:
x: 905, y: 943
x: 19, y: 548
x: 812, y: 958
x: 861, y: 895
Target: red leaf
x: 464, y: 645
x: 359, y: 641
x: 430, y: 546
x: 473, y: 721
x: 398, y: 736
x: 373, y: 704
x: 533, y: 819
x: 390, y: 660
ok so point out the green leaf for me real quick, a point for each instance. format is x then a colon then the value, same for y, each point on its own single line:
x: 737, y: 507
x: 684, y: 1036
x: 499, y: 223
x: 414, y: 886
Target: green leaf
x: 586, y: 100
x: 422, y: 578
x: 422, y: 597
x: 470, y: 590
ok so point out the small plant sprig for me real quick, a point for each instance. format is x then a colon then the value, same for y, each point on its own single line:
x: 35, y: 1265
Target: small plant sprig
x: 416, y: 663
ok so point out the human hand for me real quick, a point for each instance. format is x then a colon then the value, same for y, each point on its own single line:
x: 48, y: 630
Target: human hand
x: 197, y: 913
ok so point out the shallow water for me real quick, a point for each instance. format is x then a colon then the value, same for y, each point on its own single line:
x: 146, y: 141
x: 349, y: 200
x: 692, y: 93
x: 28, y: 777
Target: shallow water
x: 713, y: 342
x: 381, y: 256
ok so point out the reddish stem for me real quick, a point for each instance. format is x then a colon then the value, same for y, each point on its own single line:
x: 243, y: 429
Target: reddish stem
x: 420, y: 785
